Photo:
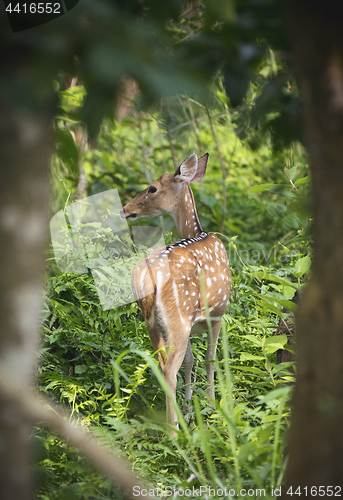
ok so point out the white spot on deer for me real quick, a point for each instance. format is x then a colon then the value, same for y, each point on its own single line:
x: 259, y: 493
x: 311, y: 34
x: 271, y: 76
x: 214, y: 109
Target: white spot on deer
x: 193, y: 293
x: 186, y: 292
x: 220, y: 290
x: 222, y: 276
x: 217, y: 262
x: 212, y: 270
x: 208, y: 281
x: 206, y: 267
x: 178, y: 265
x: 214, y: 278
x: 184, y: 304
x: 159, y: 279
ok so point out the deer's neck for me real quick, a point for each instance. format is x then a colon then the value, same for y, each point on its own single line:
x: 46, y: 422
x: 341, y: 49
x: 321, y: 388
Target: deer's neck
x: 186, y: 216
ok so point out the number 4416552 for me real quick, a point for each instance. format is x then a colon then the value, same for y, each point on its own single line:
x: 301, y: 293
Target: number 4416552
x: 314, y: 491
x: 33, y: 8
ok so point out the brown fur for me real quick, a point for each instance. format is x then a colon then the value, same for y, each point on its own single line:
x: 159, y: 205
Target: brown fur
x: 167, y: 284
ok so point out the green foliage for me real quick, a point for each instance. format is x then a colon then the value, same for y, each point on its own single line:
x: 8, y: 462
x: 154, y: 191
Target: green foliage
x: 166, y: 50
x: 98, y: 363
x: 255, y: 194
x: 87, y: 364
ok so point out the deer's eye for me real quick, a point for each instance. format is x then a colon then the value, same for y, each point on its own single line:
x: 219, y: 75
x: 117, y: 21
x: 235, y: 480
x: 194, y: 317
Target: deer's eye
x: 152, y: 189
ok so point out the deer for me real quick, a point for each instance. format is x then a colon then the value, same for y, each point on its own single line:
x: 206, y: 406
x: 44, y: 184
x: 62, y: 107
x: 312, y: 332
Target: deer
x: 167, y: 284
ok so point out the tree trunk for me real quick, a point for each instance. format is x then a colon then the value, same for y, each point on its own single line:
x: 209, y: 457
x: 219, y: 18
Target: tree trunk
x: 316, y: 437
x: 25, y: 144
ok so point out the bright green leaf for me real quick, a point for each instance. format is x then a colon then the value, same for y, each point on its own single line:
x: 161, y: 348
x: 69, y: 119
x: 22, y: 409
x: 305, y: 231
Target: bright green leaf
x: 303, y: 180
x: 302, y: 266
x: 261, y: 187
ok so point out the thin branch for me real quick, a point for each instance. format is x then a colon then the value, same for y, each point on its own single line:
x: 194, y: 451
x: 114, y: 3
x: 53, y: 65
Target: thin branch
x: 146, y: 169
x: 178, y: 127
x: 82, y: 183
x: 144, y: 156
x: 37, y: 411
x: 221, y: 160
x: 197, y: 135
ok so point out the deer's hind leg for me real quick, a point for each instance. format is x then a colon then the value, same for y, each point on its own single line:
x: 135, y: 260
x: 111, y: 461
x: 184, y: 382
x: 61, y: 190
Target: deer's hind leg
x: 210, y: 355
x: 178, y: 338
x: 157, y: 340
x: 188, y: 365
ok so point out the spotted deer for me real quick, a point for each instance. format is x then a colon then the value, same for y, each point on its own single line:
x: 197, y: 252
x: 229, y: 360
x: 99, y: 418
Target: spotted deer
x: 166, y: 284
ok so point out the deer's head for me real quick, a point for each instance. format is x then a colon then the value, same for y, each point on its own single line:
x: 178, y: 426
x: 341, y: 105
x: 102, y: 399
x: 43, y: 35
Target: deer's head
x: 163, y: 195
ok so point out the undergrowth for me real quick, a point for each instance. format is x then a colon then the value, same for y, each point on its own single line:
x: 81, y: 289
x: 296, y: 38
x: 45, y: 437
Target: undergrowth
x: 100, y: 365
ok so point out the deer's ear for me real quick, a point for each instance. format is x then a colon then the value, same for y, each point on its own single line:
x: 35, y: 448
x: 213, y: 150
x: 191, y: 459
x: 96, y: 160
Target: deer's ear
x: 188, y: 169
x: 202, y: 164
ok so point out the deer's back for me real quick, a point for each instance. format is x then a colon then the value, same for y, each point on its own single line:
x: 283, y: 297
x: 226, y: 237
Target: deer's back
x: 168, y: 279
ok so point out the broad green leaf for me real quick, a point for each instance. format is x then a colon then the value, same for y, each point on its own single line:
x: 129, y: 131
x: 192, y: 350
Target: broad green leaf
x: 276, y: 279
x: 251, y: 369
x: 244, y: 356
x: 275, y: 394
x: 279, y: 300
x: 290, y: 172
x: 80, y: 369
x: 302, y: 266
x: 268, y: 304
x: 272, y: 344
x: 288, y: 292
x: 253, y: 339
x: 303, y: 180
x: 261, y: 187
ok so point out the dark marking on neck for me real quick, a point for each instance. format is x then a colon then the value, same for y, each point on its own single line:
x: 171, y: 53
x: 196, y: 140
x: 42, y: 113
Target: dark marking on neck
x: 194, y: 209
x: 185, y: 242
